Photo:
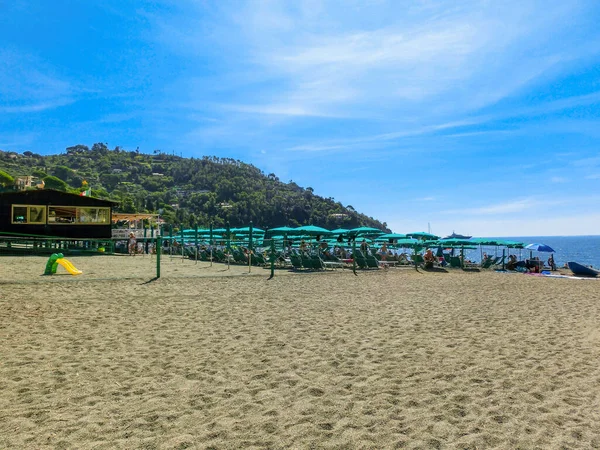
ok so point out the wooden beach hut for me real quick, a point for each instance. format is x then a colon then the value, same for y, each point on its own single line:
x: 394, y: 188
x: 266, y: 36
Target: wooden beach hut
x: 49, y: 212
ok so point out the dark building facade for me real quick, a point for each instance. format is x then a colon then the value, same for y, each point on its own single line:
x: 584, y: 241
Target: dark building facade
x: 47, y: 212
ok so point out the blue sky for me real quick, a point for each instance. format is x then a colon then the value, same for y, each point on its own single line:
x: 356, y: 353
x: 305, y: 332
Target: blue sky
x: 476, y: 116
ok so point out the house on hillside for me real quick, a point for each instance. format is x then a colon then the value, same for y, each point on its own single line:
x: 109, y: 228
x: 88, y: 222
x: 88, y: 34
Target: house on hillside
x: 55, y: 213
x: 23, y: 183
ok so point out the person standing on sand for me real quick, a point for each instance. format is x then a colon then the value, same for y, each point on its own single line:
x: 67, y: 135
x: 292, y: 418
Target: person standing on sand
x: 132, y: 244
x: 551, y: 263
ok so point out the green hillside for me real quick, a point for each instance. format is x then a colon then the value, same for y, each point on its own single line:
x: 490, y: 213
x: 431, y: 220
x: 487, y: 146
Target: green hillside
x: 185, y: 191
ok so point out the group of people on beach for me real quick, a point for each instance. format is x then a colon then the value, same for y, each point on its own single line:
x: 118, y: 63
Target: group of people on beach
x: 529, y: 265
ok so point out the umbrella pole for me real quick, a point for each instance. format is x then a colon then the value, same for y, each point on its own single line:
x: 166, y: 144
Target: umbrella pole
x: 211, y: 243
x: 228, y: 244
x: 354, y: 256
x: 250, y: 249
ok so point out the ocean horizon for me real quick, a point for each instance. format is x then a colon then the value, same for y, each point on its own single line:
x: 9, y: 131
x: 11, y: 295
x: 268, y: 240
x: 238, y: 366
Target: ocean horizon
x: 582, y: 249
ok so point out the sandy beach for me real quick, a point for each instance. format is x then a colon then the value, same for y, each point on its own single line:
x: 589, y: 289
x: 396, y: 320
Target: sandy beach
x: 207, y: 357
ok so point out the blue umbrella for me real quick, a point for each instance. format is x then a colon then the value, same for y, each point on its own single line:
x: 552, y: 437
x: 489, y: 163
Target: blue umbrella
x: 540, y: 248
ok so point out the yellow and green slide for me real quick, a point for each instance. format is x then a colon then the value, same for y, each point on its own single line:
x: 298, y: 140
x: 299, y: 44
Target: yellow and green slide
x: 59, y: 258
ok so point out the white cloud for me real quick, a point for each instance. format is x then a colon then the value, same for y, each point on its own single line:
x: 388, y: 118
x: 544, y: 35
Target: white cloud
x: 507, y: 207
x: 29, y: 84
x: 559, y: 179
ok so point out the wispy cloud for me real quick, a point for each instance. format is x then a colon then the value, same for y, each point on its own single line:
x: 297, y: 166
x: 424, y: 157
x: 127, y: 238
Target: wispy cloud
x: 559, y: 179
x: 508, y: 207
x: 278, y: 110
x: 37, y: 107
x: 28, y: 84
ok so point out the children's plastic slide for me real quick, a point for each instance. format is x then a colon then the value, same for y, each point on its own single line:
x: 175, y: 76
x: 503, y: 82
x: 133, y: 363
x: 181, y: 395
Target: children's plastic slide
x: 55, y: 260
x: 69, y: 267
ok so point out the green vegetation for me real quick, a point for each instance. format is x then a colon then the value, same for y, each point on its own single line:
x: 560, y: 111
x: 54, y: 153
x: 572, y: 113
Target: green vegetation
x: 188, y: 191
x: 6, y: 179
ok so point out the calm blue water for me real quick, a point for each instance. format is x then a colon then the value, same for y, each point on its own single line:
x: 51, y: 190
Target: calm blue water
x: 582, y: 249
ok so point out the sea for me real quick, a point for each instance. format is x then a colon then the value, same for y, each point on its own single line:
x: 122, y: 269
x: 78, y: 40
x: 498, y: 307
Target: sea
x: 582, y: 249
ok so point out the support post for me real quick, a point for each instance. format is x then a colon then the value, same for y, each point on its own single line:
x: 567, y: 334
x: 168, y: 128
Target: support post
x: 272, y: 259
x: 158, y: 250
x: 250, y: 249
x: 354, y: 256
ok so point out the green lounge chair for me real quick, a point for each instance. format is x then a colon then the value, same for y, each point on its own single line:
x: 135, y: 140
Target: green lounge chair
x: 296, y: 262
x: 417, y: 260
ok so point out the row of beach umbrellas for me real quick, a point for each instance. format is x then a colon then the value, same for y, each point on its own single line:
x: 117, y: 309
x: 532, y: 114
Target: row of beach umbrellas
x: 371, y: 235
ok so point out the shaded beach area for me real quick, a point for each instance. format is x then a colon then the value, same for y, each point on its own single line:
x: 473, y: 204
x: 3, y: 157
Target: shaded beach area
x: 209, y: 358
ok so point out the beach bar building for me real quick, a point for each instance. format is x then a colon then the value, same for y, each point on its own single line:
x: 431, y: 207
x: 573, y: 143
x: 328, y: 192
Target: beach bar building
x: 48, y: 212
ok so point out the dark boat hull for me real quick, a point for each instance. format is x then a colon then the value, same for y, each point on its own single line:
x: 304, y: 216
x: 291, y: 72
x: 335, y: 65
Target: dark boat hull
x: 579, y: 269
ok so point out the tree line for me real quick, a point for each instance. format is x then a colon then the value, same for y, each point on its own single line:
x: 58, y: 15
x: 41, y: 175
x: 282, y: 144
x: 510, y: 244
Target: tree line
x: 186, y: 191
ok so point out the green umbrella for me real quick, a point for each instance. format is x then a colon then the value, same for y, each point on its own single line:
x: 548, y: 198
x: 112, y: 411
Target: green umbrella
x: 422, y: 235
x: 408, y: 242
x: 280, y: 229
x: 452, y: 242
x: 312, y: 230
x: 365, y: 231
x: 247, y: 230
x: 391, y: 236
x: 340, y: 231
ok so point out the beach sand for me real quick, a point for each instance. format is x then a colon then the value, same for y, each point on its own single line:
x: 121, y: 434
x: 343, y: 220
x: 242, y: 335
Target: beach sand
x: 210, y: 358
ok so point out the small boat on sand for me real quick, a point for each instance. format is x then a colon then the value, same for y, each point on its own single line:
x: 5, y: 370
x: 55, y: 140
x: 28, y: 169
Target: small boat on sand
x: 579, y: 269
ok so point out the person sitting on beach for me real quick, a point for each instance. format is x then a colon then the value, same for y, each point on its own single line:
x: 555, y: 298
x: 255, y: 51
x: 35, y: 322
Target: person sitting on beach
x: 429, y: 259
x: 512, y: 262
x: 363, y: 246
x: 303, y: 246
x: 383, y: 252
x: 132, y: 243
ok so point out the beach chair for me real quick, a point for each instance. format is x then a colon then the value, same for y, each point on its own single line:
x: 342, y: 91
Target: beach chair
x: 220, y: 256
x: 454, y: 261
x: 317, y: 262
x: 372, y: 262
x: 489, y: 262
x: 259, y: 260
x: 499, y: 262
x: 296, y: 261
x: 239, y: 257
x: 417, y: 260
x: 360, y: 259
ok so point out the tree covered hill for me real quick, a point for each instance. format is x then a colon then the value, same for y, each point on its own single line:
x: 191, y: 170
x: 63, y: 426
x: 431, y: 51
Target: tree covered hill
x: 185, y: 191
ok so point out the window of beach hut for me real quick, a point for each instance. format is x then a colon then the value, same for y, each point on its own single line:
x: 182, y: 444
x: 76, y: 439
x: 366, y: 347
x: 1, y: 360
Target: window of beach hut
x: 28, y: 214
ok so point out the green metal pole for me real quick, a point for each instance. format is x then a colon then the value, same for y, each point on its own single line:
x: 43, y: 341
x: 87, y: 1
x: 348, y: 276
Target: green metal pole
x: 272, y: 259
x: 354, y: 256
x: 210, y: 237
x: 145, y: 240
x: 250, y: 249
x: 228, y: 231
x: 182, y: 243
x: 158, y: 249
